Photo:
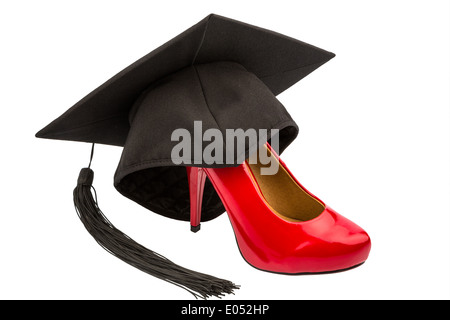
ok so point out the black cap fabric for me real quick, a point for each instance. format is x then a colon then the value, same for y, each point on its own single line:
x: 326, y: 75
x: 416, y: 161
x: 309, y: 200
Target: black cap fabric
x: 223, y: 96
x: 279, y: 61
x: 221, y: 72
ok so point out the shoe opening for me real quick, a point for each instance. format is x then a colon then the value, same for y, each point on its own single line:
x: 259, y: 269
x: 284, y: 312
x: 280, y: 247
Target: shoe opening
x: 284, y: 195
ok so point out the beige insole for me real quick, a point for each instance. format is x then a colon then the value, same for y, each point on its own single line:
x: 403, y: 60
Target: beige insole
x: 284, y: 195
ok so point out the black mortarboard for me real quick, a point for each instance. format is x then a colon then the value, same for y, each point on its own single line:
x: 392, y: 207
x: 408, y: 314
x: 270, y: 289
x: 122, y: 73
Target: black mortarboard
x: 221, y: 72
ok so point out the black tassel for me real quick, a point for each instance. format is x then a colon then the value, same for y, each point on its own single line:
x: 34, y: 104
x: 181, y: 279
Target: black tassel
x: 123, y: 247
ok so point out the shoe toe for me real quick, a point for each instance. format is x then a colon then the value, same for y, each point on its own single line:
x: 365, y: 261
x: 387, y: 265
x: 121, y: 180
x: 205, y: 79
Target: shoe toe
x: 338, y: 243
x: 351, y: 243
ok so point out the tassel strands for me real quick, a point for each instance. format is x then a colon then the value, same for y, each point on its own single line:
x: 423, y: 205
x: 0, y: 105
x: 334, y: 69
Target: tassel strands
x: 126, y: 249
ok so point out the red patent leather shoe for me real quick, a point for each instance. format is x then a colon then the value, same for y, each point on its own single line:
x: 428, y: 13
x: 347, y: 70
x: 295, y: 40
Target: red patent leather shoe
x: 279, y: 225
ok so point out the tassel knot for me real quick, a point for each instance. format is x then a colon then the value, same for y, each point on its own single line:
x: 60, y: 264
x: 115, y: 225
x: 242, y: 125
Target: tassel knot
x: 86, y: 177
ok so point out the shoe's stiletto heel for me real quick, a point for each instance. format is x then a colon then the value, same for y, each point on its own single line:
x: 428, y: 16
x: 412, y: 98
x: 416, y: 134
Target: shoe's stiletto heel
x: 196, y: 180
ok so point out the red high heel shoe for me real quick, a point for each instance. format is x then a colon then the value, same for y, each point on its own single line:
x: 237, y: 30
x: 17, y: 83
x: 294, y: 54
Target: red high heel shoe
x: 279, y: 225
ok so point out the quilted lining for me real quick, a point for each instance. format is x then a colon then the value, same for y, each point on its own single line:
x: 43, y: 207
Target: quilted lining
x: 165, y: 190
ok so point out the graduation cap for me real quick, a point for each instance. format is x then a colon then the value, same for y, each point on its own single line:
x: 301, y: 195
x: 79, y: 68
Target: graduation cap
x: 221, y: 72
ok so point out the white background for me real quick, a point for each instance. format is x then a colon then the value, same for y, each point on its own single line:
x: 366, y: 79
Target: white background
x: 373, y: 144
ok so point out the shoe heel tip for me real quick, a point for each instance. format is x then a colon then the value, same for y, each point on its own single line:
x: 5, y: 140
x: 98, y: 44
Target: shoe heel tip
x: 195, y: 228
